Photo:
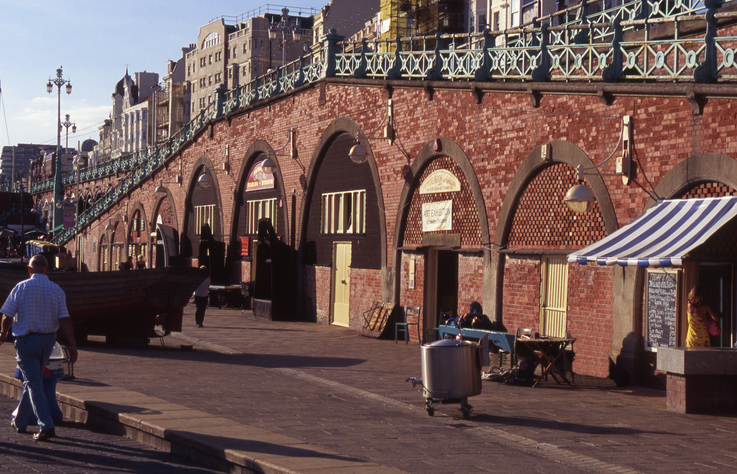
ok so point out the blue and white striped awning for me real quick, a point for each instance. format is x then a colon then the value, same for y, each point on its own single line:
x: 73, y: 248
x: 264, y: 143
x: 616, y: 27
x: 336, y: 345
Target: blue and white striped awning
x: 663, y: 235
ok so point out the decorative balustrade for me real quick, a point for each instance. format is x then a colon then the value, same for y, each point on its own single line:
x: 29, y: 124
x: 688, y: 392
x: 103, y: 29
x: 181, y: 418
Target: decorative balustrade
x: 569, y: 45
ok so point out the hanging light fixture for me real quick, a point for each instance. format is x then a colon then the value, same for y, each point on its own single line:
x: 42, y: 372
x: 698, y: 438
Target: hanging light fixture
x: 358, y: 153
x: 580, y: 197
x: 205, y: 180
x: 268, y: 165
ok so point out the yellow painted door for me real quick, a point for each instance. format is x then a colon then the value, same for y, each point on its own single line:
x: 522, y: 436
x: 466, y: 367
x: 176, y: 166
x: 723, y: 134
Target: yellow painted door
x: 553, y: 296
x: 341, y: 283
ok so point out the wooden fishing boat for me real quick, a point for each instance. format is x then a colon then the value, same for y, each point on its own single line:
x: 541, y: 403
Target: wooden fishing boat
x: 120, y: 304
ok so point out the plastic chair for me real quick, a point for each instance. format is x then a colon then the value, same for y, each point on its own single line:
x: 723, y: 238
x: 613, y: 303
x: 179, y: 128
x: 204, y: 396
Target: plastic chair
x: 409, y: 312
x: 443, y: 316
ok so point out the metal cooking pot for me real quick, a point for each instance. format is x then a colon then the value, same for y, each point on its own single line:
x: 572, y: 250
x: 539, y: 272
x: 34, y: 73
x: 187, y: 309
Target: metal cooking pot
x: 451, y: 369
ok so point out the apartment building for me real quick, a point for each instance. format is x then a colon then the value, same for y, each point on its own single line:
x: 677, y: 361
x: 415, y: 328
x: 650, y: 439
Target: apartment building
x: 235, y: 53
x: 19, y: 159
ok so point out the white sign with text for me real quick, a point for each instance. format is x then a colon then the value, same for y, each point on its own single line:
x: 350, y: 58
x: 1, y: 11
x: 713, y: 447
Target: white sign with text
x: 437, y: 216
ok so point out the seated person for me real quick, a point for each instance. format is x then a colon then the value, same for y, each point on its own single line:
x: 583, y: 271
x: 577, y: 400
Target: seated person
x: 476, y: 319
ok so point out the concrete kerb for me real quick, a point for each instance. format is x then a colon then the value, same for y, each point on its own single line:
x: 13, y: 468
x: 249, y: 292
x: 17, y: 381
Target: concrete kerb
x: 213, y: 442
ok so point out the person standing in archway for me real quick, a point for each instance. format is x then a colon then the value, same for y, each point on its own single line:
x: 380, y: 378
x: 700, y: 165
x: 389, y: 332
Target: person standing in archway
x: 702, y: 320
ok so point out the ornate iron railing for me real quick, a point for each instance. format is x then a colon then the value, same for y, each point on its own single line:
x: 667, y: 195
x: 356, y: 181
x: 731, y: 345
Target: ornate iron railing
x: 589, y: 47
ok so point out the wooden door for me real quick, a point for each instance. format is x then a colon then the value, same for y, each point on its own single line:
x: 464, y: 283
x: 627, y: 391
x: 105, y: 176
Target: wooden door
x: 341, y: 283
x: 553, y: 296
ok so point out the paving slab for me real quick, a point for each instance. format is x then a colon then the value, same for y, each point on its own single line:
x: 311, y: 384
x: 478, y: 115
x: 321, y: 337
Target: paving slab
x: 302, y: 397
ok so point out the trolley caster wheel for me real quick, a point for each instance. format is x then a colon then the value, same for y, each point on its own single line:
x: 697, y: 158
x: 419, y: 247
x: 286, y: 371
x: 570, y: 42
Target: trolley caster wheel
x: 466, y: 411
x: 430, y: 409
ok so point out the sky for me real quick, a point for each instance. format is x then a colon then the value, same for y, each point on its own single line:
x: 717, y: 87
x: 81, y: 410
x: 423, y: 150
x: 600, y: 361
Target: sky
x: 94, y: 41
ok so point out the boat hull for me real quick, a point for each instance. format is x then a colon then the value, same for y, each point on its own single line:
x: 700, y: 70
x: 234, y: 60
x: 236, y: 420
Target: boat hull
x: 123, y: 303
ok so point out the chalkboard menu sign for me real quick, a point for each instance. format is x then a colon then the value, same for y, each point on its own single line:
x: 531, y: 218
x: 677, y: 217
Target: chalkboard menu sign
x: 662, y: 293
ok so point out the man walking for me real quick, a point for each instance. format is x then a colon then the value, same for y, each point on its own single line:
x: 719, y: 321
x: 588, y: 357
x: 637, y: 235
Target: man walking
x: 201, y: 295
x: 36, y: 308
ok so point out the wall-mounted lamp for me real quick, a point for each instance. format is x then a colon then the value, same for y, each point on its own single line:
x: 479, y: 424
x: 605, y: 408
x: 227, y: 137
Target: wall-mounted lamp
x: 161, y: 190
x: 269, y: 164
x: 580, y: 197
x: 109, y: 227
x: 358, y: 153
x: 205, y: 180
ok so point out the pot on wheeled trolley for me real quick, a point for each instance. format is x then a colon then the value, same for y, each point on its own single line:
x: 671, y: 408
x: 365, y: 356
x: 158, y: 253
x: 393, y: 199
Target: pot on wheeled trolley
x: 451, y: 369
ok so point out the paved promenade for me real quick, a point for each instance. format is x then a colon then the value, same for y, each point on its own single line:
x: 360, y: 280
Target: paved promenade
x: 300, y: 397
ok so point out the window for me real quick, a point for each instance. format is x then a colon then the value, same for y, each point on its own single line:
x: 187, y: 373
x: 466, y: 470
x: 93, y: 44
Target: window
x: 203, y: 215
x: 211, y: 40
x: 343, y: 213
x: 210, y: 59
x: 496, y: 21
x: 257, y: 210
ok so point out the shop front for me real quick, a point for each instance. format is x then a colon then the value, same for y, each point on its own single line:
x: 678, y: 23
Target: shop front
x: 674, y: 246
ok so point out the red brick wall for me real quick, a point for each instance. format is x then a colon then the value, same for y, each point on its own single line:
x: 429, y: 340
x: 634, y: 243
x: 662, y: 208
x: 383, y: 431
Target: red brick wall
x: 701, y: 393
x: 322, y: 294
x: 496, y: 135
x: 365, y: 288
x: 416, y: 296
x: 521, y: 292
x: 470, y: 282
x: 590, y: 317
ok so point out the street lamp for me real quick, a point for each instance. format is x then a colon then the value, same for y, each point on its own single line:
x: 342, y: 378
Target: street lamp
x: 286, y: 26
x: 58, y: 184
x: 66, y: 124
x: 22, y: 251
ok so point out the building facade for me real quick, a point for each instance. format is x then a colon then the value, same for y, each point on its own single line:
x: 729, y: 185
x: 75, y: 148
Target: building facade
x: 235, y: 54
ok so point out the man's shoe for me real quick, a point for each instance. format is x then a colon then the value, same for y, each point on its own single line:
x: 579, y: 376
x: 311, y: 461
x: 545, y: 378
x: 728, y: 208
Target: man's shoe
x: 44, y: 435
x: 200, y: 325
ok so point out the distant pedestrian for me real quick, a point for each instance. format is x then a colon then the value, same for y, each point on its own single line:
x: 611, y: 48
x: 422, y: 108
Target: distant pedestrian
x: 127, y: 265
x: 141, y: 263
x: 201, y: 295
x: 36, y: 308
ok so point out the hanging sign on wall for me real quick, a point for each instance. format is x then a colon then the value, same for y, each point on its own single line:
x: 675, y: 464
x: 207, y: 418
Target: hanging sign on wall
x: 259, y: 179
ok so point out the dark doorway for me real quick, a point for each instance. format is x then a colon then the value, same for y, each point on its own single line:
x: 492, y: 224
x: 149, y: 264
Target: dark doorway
x: 447, y: 290
x: 718, y: 279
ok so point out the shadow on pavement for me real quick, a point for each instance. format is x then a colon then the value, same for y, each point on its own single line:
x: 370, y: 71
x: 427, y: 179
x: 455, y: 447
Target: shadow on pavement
x: 560, y: 426
x: 249, y: 359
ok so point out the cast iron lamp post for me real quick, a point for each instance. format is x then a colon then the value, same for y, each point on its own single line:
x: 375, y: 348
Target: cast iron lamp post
x: 58, y: 184
x: 286, y: 26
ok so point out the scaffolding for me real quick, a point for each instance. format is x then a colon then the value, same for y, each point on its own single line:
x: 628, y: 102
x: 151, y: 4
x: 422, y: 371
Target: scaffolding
x: 421, y: 17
